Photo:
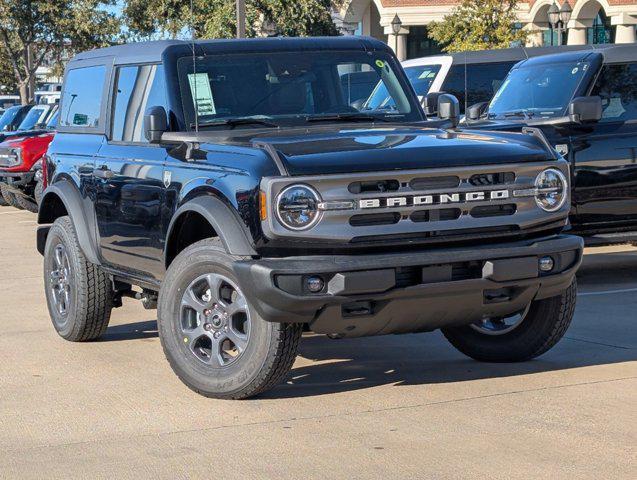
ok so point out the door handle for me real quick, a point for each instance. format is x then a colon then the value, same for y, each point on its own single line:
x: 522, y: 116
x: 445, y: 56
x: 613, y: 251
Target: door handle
x: 103, y: 173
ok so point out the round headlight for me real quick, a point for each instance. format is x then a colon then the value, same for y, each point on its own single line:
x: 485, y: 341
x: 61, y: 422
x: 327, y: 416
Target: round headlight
x: 551, y: 190
x: 297, y: 207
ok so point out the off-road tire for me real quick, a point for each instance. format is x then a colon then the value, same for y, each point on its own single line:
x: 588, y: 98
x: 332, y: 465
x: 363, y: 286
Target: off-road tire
x: 26, y: 204
x: 9, y: 197
x: 92, y: 298
x: 271, y: 349
x: 544, y: 325
x: 38, y: 192
x: 3, y: 202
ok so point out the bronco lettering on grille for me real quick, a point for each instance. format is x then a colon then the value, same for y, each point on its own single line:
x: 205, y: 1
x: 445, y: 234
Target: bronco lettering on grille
x: 435, y: 199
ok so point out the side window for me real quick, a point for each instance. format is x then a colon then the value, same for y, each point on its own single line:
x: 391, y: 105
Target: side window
x: 617, y: 85
x: 137, y: 88
x: 482, y: 81
x: 82, y: 97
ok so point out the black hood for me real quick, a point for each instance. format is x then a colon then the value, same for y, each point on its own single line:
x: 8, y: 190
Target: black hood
x: 339, y: 149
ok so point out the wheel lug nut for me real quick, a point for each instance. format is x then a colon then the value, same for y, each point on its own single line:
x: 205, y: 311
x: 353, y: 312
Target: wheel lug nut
x: 207, y: 312
x: 207, y: 327
x: 216, y: 334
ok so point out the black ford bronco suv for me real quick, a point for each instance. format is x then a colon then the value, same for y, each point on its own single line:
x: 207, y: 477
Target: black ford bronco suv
x: 235, y: 185
x: 585, y: 103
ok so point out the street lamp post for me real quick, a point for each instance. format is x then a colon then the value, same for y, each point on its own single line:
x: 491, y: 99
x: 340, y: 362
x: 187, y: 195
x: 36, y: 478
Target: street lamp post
x: 241, y: 18
x: 559, y: 18
x: 396, y: 24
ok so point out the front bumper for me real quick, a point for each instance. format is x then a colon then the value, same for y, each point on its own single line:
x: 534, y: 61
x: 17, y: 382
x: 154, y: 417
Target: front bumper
x: 17, y: 179
x: 409, y: 291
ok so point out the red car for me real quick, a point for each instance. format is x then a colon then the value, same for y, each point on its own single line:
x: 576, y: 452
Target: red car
x: 20, y: 168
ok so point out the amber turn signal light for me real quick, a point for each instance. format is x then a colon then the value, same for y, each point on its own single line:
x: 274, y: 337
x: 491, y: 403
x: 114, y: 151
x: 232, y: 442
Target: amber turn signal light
x: 263, y: 206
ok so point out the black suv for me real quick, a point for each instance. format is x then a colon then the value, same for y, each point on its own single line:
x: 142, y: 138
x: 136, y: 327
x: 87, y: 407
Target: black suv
x: 585, y: 102
x: 243, y: 189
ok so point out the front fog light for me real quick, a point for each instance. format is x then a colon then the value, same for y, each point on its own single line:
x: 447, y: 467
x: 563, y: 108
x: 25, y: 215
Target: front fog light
x: 315, y: 284
x: 546, y: 264
x: 297, y: 207
x: 551, y: 190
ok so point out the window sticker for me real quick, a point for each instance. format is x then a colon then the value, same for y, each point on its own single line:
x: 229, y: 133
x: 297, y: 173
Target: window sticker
x: 202, y: 93
x: 427, y: 74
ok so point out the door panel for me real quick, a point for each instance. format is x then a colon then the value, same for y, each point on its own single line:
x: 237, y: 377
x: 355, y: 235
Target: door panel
x: 129, y: 198
x: 606, y: 174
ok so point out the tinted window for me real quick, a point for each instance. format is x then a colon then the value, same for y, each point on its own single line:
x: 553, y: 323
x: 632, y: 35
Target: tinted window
x: 617, y: 85
x: 421, y: 77
x: 8, y: 116
x: 138, y: 87
x: 482, y: 81
x: 35, y: 118
x: 288, y: 88
x: 82, y: 97
x: 538, y: 90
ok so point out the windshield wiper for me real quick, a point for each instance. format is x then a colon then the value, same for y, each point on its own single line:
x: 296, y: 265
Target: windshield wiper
x: 347, y: 117
x: 234, y: 122
x: 518, y: 113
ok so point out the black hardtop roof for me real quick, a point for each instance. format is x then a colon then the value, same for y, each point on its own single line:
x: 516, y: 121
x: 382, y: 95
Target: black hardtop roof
x: 510, y: 54
x: 149, y: 52
x: 610, y: 53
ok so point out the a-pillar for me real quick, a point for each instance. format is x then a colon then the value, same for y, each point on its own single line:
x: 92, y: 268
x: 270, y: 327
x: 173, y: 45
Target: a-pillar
x: 624, y: 28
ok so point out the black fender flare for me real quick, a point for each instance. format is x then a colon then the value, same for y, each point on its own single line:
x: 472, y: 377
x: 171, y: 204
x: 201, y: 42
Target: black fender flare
x: 73, y: 204
x: 224, y: 221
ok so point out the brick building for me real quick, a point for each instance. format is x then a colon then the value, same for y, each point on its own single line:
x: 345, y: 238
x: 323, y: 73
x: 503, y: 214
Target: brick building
x: 592, y: 21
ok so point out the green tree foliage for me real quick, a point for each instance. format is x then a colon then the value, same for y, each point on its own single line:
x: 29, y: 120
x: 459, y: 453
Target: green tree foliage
x: 38, y: 32
x: 479, y: 25
x: 217, y: 18
x: 8, y: 85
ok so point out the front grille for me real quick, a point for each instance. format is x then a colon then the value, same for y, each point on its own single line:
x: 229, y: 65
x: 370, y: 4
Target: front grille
x: 489, y: 179
x: 419, y: 206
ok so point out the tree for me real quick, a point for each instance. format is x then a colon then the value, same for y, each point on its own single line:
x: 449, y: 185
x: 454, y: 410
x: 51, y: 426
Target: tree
x: 479, y: 25
x: 8, y: 85
x: 217, y: 18
x: 35, y: 32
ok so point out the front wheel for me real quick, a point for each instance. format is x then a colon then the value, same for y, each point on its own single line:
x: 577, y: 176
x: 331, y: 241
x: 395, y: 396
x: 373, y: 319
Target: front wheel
x: 214, y: 340
x: 9, y: 198
x: 519, y: 337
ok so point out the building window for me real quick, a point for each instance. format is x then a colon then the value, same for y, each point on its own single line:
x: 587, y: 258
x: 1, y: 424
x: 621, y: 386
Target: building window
x: 419, y: 44
x: 601, y: 31
x: 549, y: 37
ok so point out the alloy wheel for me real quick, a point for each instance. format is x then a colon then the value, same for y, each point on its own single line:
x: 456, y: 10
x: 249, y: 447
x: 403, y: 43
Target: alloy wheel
x: 214, y: 320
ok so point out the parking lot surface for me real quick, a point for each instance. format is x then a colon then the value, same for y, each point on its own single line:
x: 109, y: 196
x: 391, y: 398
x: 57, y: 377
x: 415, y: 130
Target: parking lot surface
x: 399, y: 407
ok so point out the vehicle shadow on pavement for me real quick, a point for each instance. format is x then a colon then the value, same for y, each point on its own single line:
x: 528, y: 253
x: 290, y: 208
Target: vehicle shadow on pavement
x: 131, y: 331
x: 418, y: 359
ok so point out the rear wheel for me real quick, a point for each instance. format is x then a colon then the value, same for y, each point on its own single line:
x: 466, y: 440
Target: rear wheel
x: 215, y: 341
x: 520, y: 337
x: 79, y: 294
x: 9, y: 197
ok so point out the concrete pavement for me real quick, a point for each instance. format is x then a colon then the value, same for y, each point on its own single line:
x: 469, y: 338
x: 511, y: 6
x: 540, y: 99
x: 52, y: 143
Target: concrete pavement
x: 389, y: 407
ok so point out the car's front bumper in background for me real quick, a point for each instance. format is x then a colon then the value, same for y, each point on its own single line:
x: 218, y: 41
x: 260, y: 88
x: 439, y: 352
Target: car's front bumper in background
x: 17, y: 179
x: 409, y: 291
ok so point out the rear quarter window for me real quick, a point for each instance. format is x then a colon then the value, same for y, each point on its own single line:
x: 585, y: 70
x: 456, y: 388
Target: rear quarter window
x: 82, y: 97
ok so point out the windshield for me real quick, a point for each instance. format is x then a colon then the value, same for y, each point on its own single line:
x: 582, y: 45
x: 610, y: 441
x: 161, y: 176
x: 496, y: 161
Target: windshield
x: 539, y: 90
x: 52, y: 124
x: 34, y: 117
x: 420, y: 77
x: 278, y: 88
x: 8, y: 116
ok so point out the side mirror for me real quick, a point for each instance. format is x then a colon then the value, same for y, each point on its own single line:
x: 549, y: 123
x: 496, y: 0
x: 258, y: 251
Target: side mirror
x: 430, y: 103
x: 474, y: 112
x: 155, y: 123
x: 449, y: 109
x: 585, y: 109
